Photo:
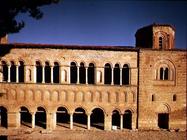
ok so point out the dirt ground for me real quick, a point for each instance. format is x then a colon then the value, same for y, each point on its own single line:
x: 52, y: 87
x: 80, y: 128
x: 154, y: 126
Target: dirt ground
x: 92, y: 135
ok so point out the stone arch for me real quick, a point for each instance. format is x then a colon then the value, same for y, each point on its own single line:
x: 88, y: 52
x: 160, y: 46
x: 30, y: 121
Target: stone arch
x: 40, y: 117
x: 62, y: 116
x: 127, y: 119
x: 115, y: 119
x: 80, y: 117
x: 25, y: 116
x: 163, y: 108
x: 97, y: 118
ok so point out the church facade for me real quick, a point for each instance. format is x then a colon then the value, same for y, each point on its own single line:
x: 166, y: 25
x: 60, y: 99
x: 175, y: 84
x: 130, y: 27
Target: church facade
x: 95, y: 87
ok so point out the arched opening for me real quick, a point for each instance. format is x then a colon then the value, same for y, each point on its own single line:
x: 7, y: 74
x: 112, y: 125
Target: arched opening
x: 3, y: 117
x: 174, y: 97
x: 160, y: 39
x: 108, y: 74
x: 56, y: 73
x: 47, y: 73
x: 25, y: 117
x: 38, y: 72
x: 91, y: 74
x: 21, y: 71
x: 5, y: 71
x: 97, y: 118
x: 161, y: 74
x: 13, y: 72
x: 116, y: 74
x: 153, y: 98
x: 73, y: 72
x: 166, y: 74
x: 163, y: 120
x: 40, y: 117
x: 82, y: 74
x: 125, y: 75
x: 116, y: 119
x: 80, y: 118
x: 127, y: 120
x: 63, y: 117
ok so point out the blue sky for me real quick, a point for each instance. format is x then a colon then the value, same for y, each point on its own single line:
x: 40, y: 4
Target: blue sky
x: 101, y: 22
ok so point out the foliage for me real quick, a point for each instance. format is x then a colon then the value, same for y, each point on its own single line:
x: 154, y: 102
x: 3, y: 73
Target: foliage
x: 9, y: 9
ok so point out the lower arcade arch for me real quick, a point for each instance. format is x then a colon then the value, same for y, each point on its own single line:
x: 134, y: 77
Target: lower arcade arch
x: 80, y: 118
x: 62, y: 117
x: 3, y: 117
x: 97, y: 118
x: 116, y: 119
x: 40, y: 117
x: 127, y: 119
x: 25, y: 117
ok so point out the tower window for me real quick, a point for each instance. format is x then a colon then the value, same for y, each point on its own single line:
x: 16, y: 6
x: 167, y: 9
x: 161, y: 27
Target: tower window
x: 153, y: 98
x: 164, y: 73
x: 160, y: 42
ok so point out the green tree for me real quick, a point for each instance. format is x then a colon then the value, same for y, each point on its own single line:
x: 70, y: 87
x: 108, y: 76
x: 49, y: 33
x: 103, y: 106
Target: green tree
x: 9, y: 9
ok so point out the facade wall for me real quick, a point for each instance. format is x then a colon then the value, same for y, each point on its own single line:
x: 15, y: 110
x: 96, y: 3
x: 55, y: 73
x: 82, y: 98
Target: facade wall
x: 163, y: 91
x: 50, y: 96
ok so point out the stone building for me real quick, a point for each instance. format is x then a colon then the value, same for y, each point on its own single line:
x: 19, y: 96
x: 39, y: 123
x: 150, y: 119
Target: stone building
x: 86, y: 87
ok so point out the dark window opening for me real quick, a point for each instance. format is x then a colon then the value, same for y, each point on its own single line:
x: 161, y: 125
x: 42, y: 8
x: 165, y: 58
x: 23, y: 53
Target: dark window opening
x: 38, y: 72
x: 56, y: 73
x: 166, y: 74
x: 125, y: 75
x: 82, y: 74
x: 91, y: 74
x: 160, y: 42
x: 116, y: 74
x: 116, y: 118
x: 161, y: 74
x: 108, y: 75
x: 21, y: 71
x: 5, y: 71
x: 153, y: 98
x: 13, y: 72
x: 97, y: 118
x: 174, y: 98
x: 73, y: 72
x: 163, y: 120
x: 47, y: 72
x: 3, y: 117
x: 127, y: 120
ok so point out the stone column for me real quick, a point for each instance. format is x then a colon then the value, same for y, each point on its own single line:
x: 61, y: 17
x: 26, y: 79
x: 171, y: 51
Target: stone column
x: 17, y: 73
x: 121, y: 76
x: 33, y: 119
x: 71, y: 121
x: 9, y: 73
x: 86, y: 75
x: 43, y: 74
x: 112, y: 77
x: 77, y: 74
x: 108, y: 122
x: 13, y: 119
x: 54, y: 120
x: 121, y: 121
x: 49, y: 122
x: 88, y: 121
x: 51, y: 74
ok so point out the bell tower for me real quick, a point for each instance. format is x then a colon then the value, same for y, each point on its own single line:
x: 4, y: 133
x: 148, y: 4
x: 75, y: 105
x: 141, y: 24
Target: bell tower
x: 156, y: 36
